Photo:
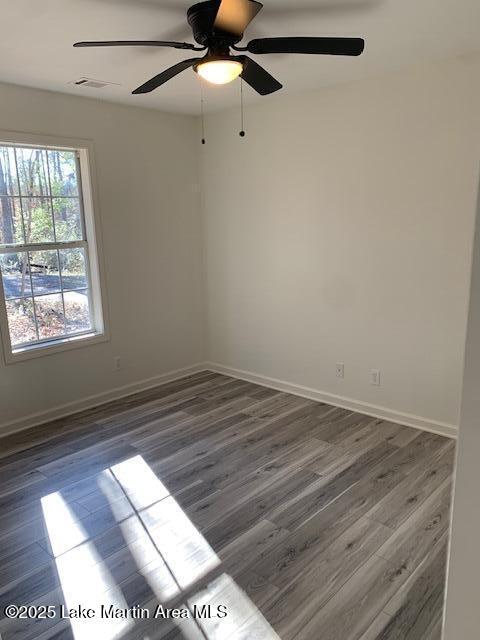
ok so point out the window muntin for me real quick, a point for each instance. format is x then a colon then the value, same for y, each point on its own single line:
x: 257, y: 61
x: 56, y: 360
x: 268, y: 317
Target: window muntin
x: 44, y: 250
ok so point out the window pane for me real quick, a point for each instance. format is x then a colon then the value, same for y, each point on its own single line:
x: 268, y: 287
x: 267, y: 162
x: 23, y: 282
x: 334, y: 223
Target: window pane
x: 11, y: 228
x: 15, y: 275
x: 21, y: 321
x: 68, y: 226
x: 32, y: 172
x: 77, y: 312
x: 45, y: 272
x: 72, y: 263
x: 8, y: 172
x: 37, y: 217
x: 63, y: 173
x: 50, y: 318
x: 45, y: 281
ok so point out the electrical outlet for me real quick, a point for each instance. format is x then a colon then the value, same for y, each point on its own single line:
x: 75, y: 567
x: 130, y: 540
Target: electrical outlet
x: 340, y: 370
x: 375, y: 377
x: 117, y: 363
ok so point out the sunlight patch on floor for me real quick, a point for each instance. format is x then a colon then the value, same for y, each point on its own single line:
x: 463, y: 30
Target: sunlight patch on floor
x: 168, y: 551
x: 244, y: 620
x: 184, y: 556
x: 84, y: 578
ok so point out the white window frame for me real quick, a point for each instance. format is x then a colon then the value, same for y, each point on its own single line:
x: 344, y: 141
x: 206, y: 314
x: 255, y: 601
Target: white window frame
x: 95, y: 270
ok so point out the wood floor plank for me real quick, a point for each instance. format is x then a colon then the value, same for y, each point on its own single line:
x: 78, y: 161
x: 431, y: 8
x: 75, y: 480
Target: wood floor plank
x: 340, y: 424
x: 351, y: 611
x: 410, y: 494
x: 63, y: 474
x: 228, y: 528
x: 224, y: 501
x: 56, y: 428
x: 314, y: 535
x: 28, y: 629
x: 221, y: 466
x: 18, y: 565
x: 377, y: 627
x: 300, y: 599
x: 396, y: 434
x: 421, y: 530
x: 300, y: 509
x: 311, y: 521
x: 415, y: 610
x: 355, y: 606
x: 243, y: 552
x: 201, y: 422
x: 27, y: 479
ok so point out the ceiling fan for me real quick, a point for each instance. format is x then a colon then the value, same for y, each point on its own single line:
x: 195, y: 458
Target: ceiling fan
x: 218, y: 26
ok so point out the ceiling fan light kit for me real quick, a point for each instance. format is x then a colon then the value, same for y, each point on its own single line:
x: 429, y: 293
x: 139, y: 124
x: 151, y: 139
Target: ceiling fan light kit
x: 218, y: 26
x: 219, y: 70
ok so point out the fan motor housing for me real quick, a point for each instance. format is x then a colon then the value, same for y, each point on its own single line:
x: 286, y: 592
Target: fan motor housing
x: 201, y: 18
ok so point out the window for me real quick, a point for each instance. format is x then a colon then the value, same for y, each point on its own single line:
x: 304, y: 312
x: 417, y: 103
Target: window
x: 48, y: 266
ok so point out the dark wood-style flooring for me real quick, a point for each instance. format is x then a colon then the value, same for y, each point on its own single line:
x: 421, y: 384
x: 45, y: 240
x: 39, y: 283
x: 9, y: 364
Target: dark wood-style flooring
x: 305, y: 521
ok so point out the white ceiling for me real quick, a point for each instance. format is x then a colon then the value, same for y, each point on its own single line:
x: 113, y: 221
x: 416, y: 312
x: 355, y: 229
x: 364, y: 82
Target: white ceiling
x: 37, y: 37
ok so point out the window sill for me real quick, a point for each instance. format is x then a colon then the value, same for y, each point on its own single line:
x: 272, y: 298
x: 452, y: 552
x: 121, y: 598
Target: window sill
x: 55, y: 346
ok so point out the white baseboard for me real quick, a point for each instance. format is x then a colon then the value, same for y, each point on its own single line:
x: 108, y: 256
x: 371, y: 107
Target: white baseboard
x: 61, y: 411
x: 407, y: 419
x: 96, y: 400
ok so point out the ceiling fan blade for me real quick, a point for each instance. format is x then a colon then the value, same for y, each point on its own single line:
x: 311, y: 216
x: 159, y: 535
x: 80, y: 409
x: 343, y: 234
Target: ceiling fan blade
x: 325, y: 46
x: 322, y: 8
x: 257, y: 77
x: 234, y: 16
x: 165, y: 76
x: 138, y: 43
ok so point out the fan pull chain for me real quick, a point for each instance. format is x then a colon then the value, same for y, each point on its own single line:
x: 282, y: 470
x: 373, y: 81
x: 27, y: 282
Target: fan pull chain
x: 203, y: 113
x: 242, y: 132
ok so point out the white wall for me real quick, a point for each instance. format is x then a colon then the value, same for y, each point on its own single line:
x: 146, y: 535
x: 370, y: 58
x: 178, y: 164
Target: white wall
x: 147, y: 175
x: 462, y: 616
x: 340, y: 230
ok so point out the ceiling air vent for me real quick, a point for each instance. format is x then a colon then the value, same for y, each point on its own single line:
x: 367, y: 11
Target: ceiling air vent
x: 93, y: 84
